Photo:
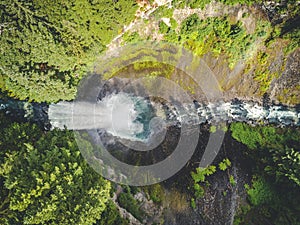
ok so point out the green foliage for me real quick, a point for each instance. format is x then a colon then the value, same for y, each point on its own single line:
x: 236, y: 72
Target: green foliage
x: 248, y: 135
x: 224, y: 164
x: 199, y: 176
x: 232, y: 180
x: 193, y: 4
x: 201, y: 173
x: 290, y: 95
x: 224, y: 128
x: 277, y: 149
x: 269, y: 204
x: 48, y: 46
x: 199, y: 191
x: 290, y: 30
x: 218, y: 35
x: 173, y: 23
x: 193, y: 203
x: 111, y: 216
x: 198, y: 4
x: 46, y: 181
x: 212, y: 129
x: 163, y: 28
x: 131, y: 37
x: 262, y: 73
x: 156, y: 192
x: 234, y: 2
x: 226, y: 36
x: 288, y: 162
x: 293, y: 38
x: 163, y: 12
x: 261, y: 192
x: 289, y: 11
x: 149, y: 69
x: 178, y: 4
x: 128, y: 202
x: 274, y: 192
x: 202, y: 3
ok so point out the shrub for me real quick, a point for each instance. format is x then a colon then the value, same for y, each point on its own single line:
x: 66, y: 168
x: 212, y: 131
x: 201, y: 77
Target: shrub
x: 261, y: 192
x: 163, y: 28
x: 224, y: 164
x: 127, y: 201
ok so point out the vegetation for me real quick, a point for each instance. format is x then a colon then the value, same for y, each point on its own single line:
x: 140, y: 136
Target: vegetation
x: 224, y: 164
x: 155, y: 192
x: 212, y: 129
x: 193, y: 4
x: 285, y: 7
x: 290, y: 95
x: 277, y: 149
x: 269, y: 203
x: 261, y: 192
x: 199, y: 177
x: 163, y: 12
x: 193, y: 203
x: 218, y: 35
x: 201, y: 174
x: 128, y: 202
x: 199, y: 190
x: 131, y: 37
x: 232, y: 180
x: 111, y: 216
x: 232, y: 37
x: 44, y: 179
x: 274, y: 192
x: 163, y: 27
x: 293, y: 38
x: 47, y: 47
x: 201, y: 4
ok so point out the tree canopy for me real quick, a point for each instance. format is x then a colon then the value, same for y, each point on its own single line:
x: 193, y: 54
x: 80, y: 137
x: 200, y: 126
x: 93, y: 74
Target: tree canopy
x: 277, y: 149
x: 47, y: 46
x: 45, y: 180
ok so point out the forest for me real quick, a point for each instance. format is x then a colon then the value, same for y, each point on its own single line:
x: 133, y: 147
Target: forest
x: 48, y: 47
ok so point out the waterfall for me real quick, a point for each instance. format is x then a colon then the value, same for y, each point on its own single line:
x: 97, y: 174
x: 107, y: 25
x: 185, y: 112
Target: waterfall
x: 120, y: 114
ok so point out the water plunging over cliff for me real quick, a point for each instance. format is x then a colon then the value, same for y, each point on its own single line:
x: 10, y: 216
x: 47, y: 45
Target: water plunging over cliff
x: 120, y: 114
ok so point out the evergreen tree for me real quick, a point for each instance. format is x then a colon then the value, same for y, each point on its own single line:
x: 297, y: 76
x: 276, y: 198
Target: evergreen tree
x: 276, y: 149
x: 45, y: 180
x: 47, y: 46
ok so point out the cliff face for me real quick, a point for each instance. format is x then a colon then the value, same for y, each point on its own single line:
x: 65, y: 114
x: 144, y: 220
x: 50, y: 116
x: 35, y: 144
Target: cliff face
x: 250, y: 61
x: 287, y: 87
x: 239, y: 83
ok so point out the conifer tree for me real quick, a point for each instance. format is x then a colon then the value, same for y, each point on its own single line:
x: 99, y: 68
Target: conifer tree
x: 45, y: 180
x: 46, y: 47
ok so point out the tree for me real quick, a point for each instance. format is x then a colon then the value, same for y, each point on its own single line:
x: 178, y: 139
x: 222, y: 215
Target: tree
x: 45, y: 180
x: 277, y: 149
x: 46, y: 47
x: 274, y: 192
